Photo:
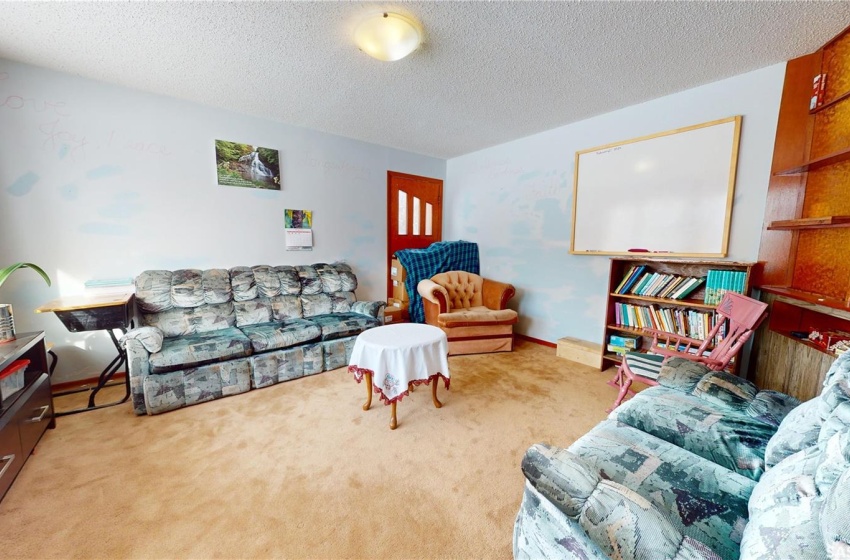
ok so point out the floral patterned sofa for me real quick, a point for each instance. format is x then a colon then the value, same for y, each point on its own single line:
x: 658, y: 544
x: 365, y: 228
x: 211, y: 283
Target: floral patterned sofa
x: 214, y: 333
x: 702, y: 466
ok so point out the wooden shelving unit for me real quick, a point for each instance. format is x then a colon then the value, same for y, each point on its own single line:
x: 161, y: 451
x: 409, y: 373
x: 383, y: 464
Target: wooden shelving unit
x: 806, y: 278
x: 620, y: 267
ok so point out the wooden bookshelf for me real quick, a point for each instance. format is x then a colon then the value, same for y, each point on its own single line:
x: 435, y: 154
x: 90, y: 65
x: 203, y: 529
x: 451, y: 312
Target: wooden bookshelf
x: 695, y: 300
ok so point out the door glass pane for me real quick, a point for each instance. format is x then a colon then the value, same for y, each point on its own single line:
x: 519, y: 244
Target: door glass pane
x: 402, y: 213
x: 428, y: 223
x: 416, y: 211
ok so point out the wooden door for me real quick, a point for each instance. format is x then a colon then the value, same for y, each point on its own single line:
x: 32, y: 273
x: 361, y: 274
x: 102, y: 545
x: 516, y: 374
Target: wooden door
x: 414, y: 214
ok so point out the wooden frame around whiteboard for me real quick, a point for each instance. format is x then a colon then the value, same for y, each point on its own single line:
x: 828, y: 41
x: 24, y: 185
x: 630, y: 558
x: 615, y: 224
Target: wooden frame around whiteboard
x: 663, y: 213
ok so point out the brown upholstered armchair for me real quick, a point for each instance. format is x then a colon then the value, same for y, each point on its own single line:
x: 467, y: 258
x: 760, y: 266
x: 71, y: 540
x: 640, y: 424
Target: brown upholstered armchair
x: 471, y: 310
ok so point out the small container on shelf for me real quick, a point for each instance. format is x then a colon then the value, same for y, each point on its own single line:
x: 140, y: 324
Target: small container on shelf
x: 12, y: 378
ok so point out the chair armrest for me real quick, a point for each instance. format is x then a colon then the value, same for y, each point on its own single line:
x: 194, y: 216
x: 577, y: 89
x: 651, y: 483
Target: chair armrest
x: 369, y: 308
x: 433, y: 292
x: 149, y: 337
x: 496, y: 295
x: 619, y: 520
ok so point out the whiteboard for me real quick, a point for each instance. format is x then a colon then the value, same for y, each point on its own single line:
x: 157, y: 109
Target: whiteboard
x: 670, y: 193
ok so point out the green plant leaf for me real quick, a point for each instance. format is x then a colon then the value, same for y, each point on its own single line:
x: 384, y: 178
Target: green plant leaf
x: 6, y: 272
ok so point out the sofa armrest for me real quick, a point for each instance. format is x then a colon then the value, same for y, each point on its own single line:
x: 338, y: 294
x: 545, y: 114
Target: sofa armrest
x: 621, y: 522
x: 434, y: 293
x: 149, y: 337
x: 370, y: 308
x: 496, y: 295
x: 138, y: 344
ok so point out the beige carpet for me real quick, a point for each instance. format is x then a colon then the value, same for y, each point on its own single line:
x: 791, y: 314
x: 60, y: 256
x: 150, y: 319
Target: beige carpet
x: 299, y: 470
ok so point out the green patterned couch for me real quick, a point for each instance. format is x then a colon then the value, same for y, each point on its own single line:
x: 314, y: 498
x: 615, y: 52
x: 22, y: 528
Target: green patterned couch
x: 703, y: 466
x: 214, y: 333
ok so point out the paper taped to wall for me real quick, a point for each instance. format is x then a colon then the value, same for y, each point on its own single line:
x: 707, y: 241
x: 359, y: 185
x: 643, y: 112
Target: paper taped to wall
x: 299, y: 239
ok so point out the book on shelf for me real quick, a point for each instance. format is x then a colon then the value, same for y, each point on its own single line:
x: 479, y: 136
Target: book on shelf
x: 618, y: 349
x: 640, y: 283
x: 629, y: 279
x: 672, y: 286
x: 688, y: 287
x: 718, y: 282
x: 625, y: 341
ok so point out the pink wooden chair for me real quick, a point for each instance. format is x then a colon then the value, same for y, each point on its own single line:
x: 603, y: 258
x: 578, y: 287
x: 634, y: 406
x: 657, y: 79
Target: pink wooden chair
x: 739, y: 315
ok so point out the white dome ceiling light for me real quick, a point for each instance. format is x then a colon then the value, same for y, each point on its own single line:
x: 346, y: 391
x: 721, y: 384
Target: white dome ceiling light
x: 387, y: 36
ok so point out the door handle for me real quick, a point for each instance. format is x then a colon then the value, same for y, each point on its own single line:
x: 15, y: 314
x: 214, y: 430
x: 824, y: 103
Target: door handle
x: 40, y: 417
x: 8, y: 459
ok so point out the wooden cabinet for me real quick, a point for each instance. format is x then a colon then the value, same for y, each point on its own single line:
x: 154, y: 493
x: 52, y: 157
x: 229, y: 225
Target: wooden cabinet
x: 804, y: 243
x: 27, y: 413
x: 694, y: 301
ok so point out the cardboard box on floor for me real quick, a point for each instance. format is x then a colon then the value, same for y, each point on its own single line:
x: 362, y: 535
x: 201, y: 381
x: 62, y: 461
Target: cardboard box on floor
x: 396, y: 312
x: 581, y: 351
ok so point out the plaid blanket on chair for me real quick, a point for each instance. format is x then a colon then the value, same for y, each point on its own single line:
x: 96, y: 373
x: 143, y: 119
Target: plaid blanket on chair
x: 441, y: 256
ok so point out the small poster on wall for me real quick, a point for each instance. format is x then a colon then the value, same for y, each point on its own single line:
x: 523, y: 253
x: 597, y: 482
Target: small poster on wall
x: 299, y: 232
x: 244, y: 165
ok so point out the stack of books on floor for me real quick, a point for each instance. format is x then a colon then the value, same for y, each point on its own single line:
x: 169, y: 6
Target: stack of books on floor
x: 684, y: 322
x: 721, y: 281
x: 640, y: 282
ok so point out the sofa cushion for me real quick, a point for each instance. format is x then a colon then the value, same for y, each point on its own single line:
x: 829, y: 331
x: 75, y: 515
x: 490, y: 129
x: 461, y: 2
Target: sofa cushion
x: 705, y: 501
x: 253, y: 312
x: 784, y: 511
x: 161, y: 290
x: 272, y: 336
x: 196, y: 349
x: 341, y: 325
x: 187, y: 288
x: 477, y: 315
x: 797, y: 431
x: 731, y: 439
x: 311, y: 283
x: 286, y: 307
x: 316, y: 304
x: 180, y: 321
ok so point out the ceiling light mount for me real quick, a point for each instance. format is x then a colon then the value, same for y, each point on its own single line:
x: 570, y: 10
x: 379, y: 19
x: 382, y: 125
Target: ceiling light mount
x: 387, y: 36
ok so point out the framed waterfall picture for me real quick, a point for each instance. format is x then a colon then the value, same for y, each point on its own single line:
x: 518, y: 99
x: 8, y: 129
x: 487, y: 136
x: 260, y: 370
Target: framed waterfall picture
x: 244, y: 165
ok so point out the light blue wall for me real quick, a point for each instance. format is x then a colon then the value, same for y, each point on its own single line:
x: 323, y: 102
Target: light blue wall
x: 515, y: 199
x: 99, y: 181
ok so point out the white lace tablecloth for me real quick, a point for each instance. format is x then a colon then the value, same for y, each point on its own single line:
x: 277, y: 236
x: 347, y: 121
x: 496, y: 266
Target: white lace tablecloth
x: 397, y: 355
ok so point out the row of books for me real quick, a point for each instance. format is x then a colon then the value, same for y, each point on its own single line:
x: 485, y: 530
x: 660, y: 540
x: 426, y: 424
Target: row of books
x: 684, y: 322
x: 655, y: 284
x: 719, y: 282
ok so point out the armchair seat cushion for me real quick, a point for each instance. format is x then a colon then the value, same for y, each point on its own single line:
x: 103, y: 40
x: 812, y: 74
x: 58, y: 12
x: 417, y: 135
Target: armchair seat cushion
x: 274, y: 336
x: 476, y: 316
x: 202, y: 348
x: 343, y: 325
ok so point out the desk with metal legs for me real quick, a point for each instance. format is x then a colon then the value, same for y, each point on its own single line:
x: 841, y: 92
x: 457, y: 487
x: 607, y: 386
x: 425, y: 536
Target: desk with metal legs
x: 109, y: 312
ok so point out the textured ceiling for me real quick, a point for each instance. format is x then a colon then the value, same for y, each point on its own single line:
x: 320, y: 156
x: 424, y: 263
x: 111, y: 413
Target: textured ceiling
x: 486, y: 74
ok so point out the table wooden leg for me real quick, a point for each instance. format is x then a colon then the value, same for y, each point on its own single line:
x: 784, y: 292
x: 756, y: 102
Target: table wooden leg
x: 393, y: 420
x: 437, y: 403
x: 368, y: 391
